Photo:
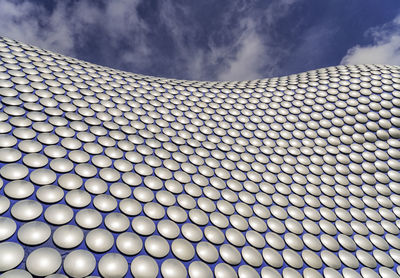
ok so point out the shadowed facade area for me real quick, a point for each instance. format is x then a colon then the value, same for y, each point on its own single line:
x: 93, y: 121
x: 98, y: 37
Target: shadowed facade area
x: 115, y: 174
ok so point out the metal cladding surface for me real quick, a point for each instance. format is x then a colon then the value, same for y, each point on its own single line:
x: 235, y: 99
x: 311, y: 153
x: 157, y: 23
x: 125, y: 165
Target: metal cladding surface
x: 109, y: 173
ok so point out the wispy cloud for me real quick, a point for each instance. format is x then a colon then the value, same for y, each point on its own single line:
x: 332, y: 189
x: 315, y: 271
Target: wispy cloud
x: 173, y: 41
x: 240, y: 48
x: 256, y: 54
x: 250, y: 56
x: 385, y: 48
x: 23, y: 21
x: 70, y: 25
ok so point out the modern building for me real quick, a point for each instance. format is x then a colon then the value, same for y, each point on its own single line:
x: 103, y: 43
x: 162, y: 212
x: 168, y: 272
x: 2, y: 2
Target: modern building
x: 114, y: 174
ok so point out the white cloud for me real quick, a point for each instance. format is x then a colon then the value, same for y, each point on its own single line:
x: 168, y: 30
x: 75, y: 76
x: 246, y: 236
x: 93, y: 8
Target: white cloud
x: 385, y: 48
x: 24, y: 21
x: 63, y: 28
x: 248, y: 53
x: 250, y: 56
x: 233, y: 50
x: 256, y: 54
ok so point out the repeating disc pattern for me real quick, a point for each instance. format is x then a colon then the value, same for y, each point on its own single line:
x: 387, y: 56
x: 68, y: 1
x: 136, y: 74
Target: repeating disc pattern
x: 114, y: 174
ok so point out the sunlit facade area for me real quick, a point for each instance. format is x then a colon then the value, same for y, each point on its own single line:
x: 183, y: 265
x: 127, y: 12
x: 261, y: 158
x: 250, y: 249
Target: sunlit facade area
x: 106, y: 173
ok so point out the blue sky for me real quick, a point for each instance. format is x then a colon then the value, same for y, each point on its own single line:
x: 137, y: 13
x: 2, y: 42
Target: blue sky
x: 210, y: 40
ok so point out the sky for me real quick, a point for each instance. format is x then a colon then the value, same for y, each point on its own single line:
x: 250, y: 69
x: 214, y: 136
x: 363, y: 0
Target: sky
x: 210, y: 40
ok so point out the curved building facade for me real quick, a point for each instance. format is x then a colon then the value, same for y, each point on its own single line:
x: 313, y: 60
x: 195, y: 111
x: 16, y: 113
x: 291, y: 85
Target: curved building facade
x: 114, y: 174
